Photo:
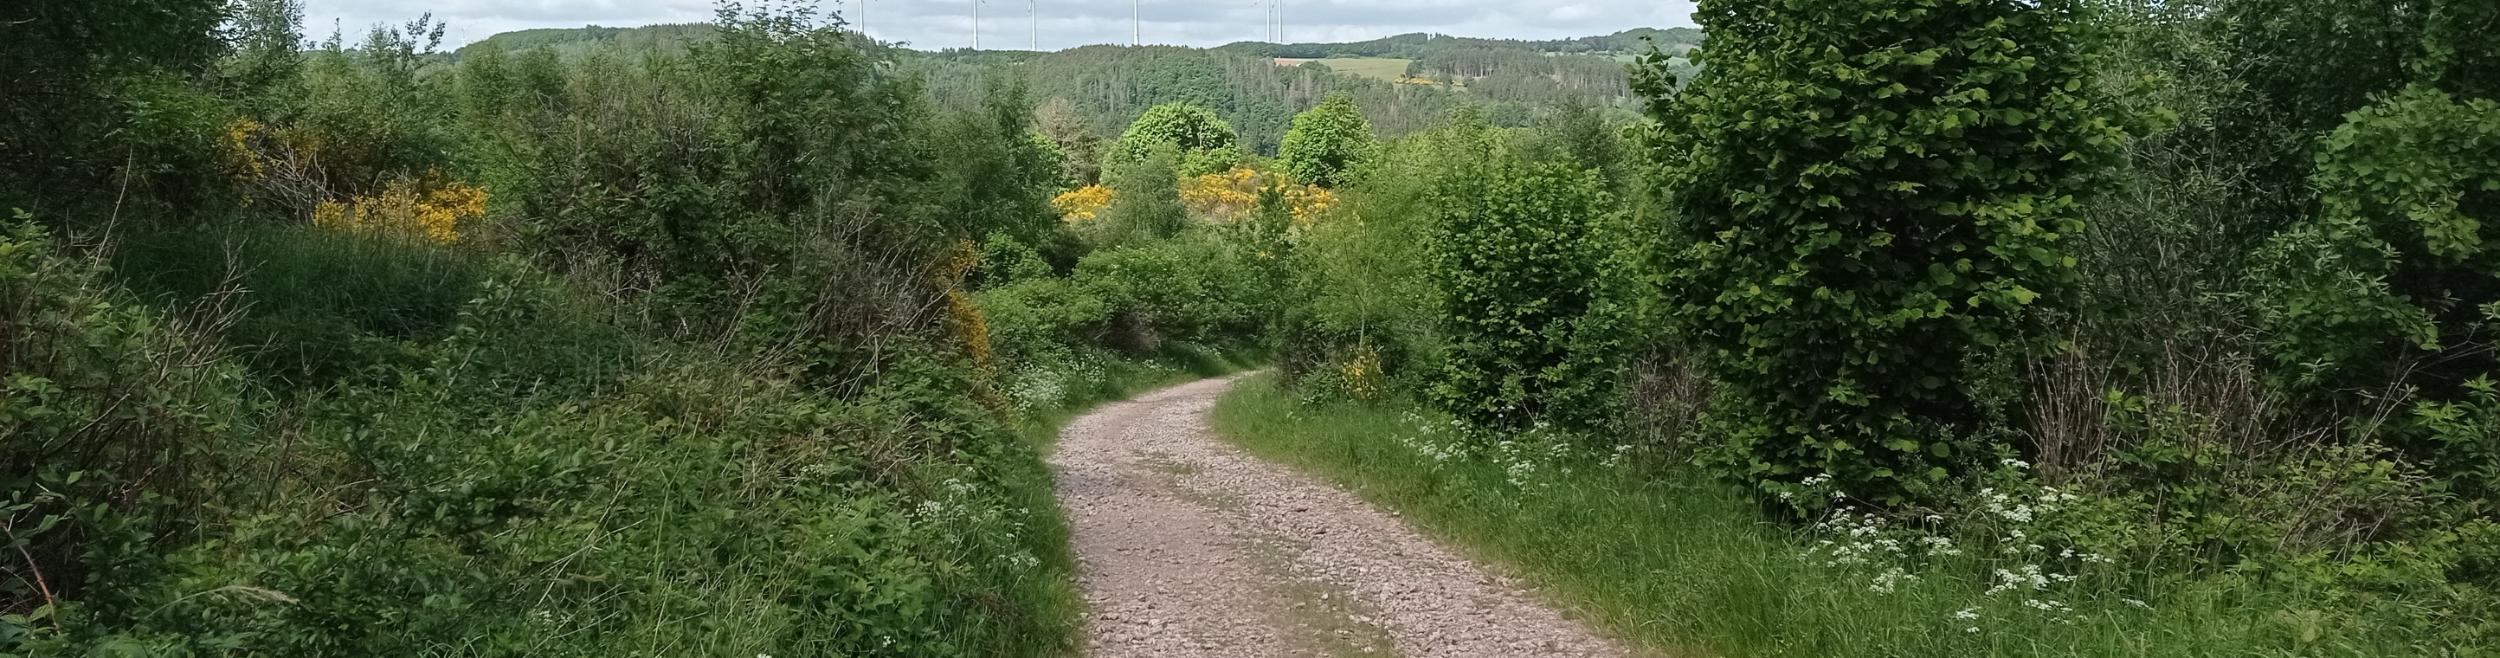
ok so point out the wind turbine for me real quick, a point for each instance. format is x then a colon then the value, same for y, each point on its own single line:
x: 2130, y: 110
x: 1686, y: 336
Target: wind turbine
x: 1037, y: 25
x: 976, y: 24
x: 1276, y: 20
x: 1133, y: 30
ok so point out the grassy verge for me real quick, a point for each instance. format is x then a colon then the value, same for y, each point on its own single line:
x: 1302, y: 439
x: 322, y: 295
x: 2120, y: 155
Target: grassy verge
x: 1684, y: 567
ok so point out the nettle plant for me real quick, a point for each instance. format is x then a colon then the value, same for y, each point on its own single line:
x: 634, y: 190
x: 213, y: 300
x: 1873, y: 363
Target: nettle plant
x: 1872, y: 196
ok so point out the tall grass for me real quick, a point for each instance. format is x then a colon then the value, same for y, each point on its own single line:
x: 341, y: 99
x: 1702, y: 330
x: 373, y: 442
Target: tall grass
x: 1682, y: 566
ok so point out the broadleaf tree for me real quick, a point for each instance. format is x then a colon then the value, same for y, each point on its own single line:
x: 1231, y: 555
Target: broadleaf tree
x: 1870, y: 196
x: 1327, y: 142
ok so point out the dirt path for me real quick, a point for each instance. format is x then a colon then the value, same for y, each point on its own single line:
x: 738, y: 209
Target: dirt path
x: 1191, y: 549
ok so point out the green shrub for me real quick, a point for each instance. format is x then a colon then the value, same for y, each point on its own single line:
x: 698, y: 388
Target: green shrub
x: 1868, y: 197
x: 1197, y: 289
x: 2396, y: 284
x: 1358, y: 292
x: 1145, y: 206
x: 1513, y: 260
x: 535, y: 482
x: 120, y: 422
x: 1033, y: 319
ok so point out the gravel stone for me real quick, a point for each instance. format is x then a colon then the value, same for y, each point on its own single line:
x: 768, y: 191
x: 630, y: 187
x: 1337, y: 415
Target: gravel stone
x: 1190, y: 549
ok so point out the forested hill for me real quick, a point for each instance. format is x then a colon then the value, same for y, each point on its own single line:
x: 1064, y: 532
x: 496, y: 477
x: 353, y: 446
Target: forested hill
x: 668, y: 37
x: 1403, y: 83
x: 1420, y: 45
x: 1103, y: 87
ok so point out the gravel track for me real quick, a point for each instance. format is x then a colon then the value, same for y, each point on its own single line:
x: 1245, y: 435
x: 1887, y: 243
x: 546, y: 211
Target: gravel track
x: 1189, y: 548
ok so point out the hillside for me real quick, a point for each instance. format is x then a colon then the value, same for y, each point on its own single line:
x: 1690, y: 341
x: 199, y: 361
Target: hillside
x: 1256, y: 86
x: 663, y: 38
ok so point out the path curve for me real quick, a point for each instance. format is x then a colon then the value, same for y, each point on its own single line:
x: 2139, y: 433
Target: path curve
x: 1190, y: 549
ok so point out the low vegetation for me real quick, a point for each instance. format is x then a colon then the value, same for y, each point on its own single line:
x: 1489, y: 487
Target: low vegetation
x: 1953, y: 327
x: 738, y: 348
x: 1864, y: 327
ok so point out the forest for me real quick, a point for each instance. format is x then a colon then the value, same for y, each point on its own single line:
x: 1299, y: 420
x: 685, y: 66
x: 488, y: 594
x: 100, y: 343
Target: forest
x: 1858, y: 328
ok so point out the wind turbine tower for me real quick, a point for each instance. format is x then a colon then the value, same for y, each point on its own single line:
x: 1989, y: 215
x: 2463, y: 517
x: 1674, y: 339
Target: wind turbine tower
x: 1276, y: 20
x: 1037, y: 25
x: 976, y: 24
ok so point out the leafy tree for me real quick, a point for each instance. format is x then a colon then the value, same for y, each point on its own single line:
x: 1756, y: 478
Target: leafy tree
x: 95, y: 86
x: 1870, y: 196
x: 1080, y: 149
x: 1585, y: 136
x: 1202, y: 142
x: 1327, y: 142
x: 1511, y: 255
x: 994, y: 176
x: 268, y: 56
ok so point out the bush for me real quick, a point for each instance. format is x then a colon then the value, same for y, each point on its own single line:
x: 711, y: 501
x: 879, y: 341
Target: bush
x: 1867, y: 200
x: 2395, y: 288
x: 543, y: 476
x: 1512, y: 257
x: 1145, y: 205
x: 323, y: 304
x: 120, y: 423
x: 1198, y: 289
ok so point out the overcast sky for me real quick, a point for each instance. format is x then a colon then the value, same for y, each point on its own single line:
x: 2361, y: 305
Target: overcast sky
x: 1005, y: 24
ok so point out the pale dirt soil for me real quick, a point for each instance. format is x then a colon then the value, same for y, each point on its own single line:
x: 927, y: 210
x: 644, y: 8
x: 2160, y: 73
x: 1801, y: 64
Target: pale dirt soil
x: 1189, y: 548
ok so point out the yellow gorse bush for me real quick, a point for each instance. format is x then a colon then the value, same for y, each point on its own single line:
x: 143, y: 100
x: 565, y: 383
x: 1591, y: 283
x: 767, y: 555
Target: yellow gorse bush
x: 1363, y: 376
x: 249, y: 163
x: 972, y: 327
x: 1233, y: 195
x: 430, y: 208
x: 1082, y: 204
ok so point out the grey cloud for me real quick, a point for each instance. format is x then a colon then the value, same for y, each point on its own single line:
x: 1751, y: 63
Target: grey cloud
x: 1062, y: 23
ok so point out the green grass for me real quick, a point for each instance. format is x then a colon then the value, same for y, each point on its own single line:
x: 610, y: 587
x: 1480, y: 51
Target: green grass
x: 1684, y: 567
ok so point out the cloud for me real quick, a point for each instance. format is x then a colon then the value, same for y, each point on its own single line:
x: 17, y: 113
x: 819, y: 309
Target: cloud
x: 934, y: 24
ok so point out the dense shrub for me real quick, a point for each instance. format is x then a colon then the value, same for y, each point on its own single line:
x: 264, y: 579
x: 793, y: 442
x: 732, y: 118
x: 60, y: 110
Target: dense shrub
x: 1363, y: 305
x: 1513, y: 260
x: 2394, y: 292
x: 1861, y: 219
x: 121, y: 425
x: 1145, y: 204
x: 688, y: 502
x: 1199, y: 289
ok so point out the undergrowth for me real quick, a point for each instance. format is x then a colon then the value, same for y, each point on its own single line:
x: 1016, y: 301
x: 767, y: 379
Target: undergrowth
x: 1685, y: 564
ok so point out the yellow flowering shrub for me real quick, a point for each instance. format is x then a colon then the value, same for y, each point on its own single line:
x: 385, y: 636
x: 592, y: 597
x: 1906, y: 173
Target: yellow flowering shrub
x: 1083, y: 204
x: 1233, y: 195
x: 430, y: 208
x: 1363, y: 377
x: 972, y: 327
x: 249, y: 164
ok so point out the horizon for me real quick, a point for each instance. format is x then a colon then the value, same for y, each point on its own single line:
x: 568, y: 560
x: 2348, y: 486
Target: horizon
x: 937, y: 25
